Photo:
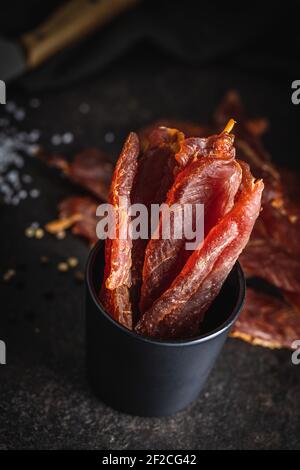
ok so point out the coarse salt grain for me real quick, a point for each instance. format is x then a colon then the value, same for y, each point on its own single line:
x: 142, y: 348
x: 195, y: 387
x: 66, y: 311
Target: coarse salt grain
x: 84, y: 108
x: 109, y: 137
x: 56, y: 139
x: 34, y: 193
x: 19, y: 114
x: 67, y: 138
x: 34, y: 102
x: 15, y: 146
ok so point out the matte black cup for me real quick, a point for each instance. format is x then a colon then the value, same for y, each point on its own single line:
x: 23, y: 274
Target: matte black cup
x: 146, y: 377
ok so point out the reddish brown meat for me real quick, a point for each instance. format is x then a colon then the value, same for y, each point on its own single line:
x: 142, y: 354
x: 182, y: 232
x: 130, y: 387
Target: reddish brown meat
x: 213, y: 146
x: 90, y: 169
x: 267, y: 321
x: 120, y: 198
x: 248, y: 145
x: 155, y: 176
x: 85, y: 207
x: 283, y: 228
x: 189, y: 129
x: 212, y: 181
x: 115, y: 294
x: 179, y: 311
x: 261, y: 259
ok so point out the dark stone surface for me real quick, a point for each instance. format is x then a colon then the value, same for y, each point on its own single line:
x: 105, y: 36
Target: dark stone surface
x: 251, y: 398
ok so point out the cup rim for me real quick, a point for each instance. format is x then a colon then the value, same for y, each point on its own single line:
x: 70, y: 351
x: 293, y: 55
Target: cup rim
x: 191, y: 342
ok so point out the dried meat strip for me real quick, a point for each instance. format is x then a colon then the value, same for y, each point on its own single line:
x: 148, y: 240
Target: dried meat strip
x: 211, y: 181
x: 283, y: 228
x: 266, y: 261
x: 213, y: 146
x: 90, y: 169
x: 155, y: 175
x: 248, y: 145
x: 189, y: 129
x: 179, y: 310
x: 120, y: 198
x: 267, y: 321
x: 115, y: 294
x: 118, y: 304
x: 80, y: 213
x: 249, y: 130
x: 293, y: 298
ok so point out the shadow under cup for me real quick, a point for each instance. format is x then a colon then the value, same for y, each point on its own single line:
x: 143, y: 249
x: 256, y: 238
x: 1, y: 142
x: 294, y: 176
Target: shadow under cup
x: 146, y: 377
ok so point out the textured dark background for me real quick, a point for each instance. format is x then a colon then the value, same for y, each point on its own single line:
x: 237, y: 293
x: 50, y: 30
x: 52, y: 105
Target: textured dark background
x: 251, y: 398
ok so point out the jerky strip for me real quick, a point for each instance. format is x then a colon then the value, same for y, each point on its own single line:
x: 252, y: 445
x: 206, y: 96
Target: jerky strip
x: 179, y: 310
x: 209, y: 181
x: 267, y: 321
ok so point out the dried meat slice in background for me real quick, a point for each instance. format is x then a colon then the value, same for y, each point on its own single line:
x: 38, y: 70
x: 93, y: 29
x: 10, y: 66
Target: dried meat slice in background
x: 90, y: 169
x: 79, y: 214
x: 274, y: 265
x: 267, y: 321
x: 179, y: 310
x: 283, y: 229
x: 82, y: 210
x: 248, y: 129
x: 248, y: 144
x: 212, y: 182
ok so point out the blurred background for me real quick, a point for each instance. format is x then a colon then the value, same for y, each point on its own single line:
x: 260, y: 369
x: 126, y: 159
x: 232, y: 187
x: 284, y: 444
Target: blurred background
x: 85, y: 80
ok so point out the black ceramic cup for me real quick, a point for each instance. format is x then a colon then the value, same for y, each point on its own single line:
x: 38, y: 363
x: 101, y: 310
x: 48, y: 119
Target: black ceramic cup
x: 146, y: 377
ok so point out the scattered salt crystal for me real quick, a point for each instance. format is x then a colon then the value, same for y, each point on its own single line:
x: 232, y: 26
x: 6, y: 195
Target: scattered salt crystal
x: 19, y: 114
x: 56, y: 139
x: 34, y: 193
x: 109, y: 137
x: 10, y: 106
x: 34, y: 135
x: 15, y: 201
x: 35, y: 225
x: 23, y: 194
x: 27, y: 179
x: 5, y: 189
x: 15, y: 146
x: 19, y: 162
x: 67, y: 138
x: 12, y: 176
x: 84, y: 108
x: 34, y: 103
x: 4, y: 122
x: 33, y: 150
